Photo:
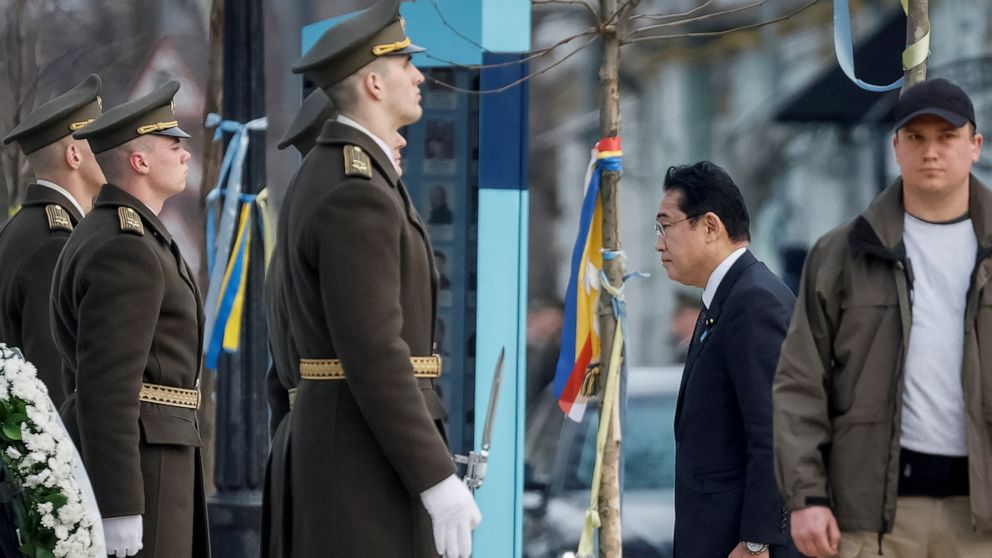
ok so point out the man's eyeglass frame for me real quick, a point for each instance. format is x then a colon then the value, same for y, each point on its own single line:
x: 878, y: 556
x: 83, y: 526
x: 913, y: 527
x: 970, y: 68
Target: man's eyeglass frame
x: 660, y: 228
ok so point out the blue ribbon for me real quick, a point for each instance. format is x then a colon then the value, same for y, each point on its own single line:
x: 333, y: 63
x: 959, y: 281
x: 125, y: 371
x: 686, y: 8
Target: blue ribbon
x: 620, y: 313
x: 227, y: 303
x: 610, y: 164
x: 220, y: 237
x: 844, y: 46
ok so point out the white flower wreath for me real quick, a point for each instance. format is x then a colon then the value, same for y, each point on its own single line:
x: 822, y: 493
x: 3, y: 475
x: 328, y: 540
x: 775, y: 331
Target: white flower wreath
x: 53, y: 516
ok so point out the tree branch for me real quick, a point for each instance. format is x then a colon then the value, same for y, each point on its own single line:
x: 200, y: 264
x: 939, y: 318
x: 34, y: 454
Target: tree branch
x: 516, y: 82
x: 592, y: 11
x: 697, y: 18
x: 669, y: 16
x: 721, y: 32
x: 464, y: 37
x: 530, y: 55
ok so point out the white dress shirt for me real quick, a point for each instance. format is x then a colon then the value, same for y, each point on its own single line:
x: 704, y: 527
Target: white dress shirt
x: 378, y: 141
x: 61, y: 190
x: 713, y: 283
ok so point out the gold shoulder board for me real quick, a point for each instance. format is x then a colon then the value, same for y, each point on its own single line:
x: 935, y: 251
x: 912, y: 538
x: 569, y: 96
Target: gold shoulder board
x: 58, y: 218
x: 357, y: 162
x: 130, y: 220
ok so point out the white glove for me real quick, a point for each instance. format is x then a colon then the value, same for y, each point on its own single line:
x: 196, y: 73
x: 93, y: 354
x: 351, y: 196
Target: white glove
x: 453, y: 514
x: 123, y: 535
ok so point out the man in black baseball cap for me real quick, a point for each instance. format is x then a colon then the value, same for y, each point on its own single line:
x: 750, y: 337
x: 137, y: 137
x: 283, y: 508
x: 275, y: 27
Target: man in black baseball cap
x: 886, y: 358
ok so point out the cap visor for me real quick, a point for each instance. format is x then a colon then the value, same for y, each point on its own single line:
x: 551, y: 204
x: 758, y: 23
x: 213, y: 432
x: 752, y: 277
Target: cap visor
x: 175, y: 132
x: 412, y: 49
x: 955, y: 119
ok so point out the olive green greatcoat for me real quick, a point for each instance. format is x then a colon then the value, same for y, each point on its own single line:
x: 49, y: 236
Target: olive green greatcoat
x: 357, y: 282
x: 126, y: 310
x: 30, y: 244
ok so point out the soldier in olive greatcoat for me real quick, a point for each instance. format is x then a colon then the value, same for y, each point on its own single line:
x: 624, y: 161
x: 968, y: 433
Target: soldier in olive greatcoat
x: 371, y: 474
x: 67, y: 177
x: 128, y: 322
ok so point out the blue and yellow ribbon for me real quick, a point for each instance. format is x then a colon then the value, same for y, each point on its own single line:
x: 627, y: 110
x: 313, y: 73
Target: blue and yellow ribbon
x: 914, y: 55
x: 228, y: 243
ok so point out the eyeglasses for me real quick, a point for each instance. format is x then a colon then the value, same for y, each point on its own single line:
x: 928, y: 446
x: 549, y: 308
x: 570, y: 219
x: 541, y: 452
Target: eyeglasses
x: 660, y: 228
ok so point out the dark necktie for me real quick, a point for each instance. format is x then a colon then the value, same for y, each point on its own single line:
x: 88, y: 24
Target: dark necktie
x: 697, y: 333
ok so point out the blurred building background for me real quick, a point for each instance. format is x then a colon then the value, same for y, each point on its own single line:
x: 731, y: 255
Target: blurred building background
x: 769, y: 104
x: 50, y: 45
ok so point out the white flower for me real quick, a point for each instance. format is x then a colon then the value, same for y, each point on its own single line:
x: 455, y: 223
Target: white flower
x: 47, y: 460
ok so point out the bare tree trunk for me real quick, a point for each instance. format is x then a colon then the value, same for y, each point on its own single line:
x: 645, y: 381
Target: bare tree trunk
x: 211, y: 168
x: 917, y: 26
x: 610, y: 534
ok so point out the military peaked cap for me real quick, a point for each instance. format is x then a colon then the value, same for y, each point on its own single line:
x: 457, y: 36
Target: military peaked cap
x: 302, y: 133
x: 152, y: 114
x: 348, y: 46
x: 58, y: 117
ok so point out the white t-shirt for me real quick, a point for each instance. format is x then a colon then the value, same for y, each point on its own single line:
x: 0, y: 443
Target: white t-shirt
x: 942, y: 256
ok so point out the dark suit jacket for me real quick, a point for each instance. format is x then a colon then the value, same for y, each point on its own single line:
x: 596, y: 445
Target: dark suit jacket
x: 125, y: 311
x: 725, y: 490
x: 30, y: 245
x: 353, y: 278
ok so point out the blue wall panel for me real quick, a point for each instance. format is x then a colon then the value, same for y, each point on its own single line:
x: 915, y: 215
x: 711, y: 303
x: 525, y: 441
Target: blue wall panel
x: 502, y: 273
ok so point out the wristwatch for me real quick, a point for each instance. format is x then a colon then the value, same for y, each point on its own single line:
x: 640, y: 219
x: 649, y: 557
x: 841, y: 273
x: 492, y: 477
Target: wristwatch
x: 754, y: 548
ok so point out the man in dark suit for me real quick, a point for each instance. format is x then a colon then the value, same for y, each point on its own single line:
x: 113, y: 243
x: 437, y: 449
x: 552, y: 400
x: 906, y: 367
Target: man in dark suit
x: 128, y: 322
x: 354, y: 277
x: 67, y: 177
x: 726, y: 499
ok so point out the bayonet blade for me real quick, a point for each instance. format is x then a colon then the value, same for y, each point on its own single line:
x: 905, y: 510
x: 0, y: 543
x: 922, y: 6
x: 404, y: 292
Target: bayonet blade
x: 487, y: 431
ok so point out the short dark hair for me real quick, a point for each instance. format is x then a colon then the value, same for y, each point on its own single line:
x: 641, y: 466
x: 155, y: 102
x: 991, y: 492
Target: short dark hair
x: 705, y: 187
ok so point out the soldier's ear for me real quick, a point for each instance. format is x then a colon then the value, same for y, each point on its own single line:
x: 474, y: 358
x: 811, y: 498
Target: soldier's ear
x: 73, y: 158
x: 139, y: 162
x: 373, y: 85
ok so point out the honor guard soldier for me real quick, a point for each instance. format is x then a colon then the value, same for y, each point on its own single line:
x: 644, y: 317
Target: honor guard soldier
x: 128, y: 321
x: 371, y: 474
x: 283, y: 375
x: 67, y: 178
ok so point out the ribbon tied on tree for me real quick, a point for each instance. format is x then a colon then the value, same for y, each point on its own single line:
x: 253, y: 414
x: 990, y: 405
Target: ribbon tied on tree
x: 229, y: 242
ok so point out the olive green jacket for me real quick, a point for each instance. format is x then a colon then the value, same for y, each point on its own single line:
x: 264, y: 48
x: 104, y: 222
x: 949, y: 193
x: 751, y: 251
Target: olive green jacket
x: 126, y: 310
x: 30, y: 244
x: 352, y: 278
x: 838, y: 389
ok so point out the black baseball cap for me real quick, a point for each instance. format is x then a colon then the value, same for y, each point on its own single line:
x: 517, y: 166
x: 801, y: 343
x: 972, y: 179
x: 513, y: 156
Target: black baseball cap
x: 937, y: 97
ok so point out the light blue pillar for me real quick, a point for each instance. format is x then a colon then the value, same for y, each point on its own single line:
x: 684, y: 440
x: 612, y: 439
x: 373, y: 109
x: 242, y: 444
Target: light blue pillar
x: 502, y: 301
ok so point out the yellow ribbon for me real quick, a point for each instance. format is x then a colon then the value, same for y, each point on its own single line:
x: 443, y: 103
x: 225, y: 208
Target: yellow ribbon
x: 232, y: 330
x: 610, y: 398
x: 268, y: 224
x: 918, y: 52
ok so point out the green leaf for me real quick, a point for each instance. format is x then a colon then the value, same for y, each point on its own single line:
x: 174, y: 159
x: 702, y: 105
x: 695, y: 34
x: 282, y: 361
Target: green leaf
x: 57, y: 498
x: 43, y: 553
x: 11, y: 431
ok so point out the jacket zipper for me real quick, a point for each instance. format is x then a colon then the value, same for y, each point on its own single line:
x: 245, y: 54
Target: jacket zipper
x: 906, y: 267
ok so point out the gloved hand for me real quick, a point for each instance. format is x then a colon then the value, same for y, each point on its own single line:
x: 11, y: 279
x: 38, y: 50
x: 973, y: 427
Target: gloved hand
x: 123, y: 535
x: 453, y: 514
